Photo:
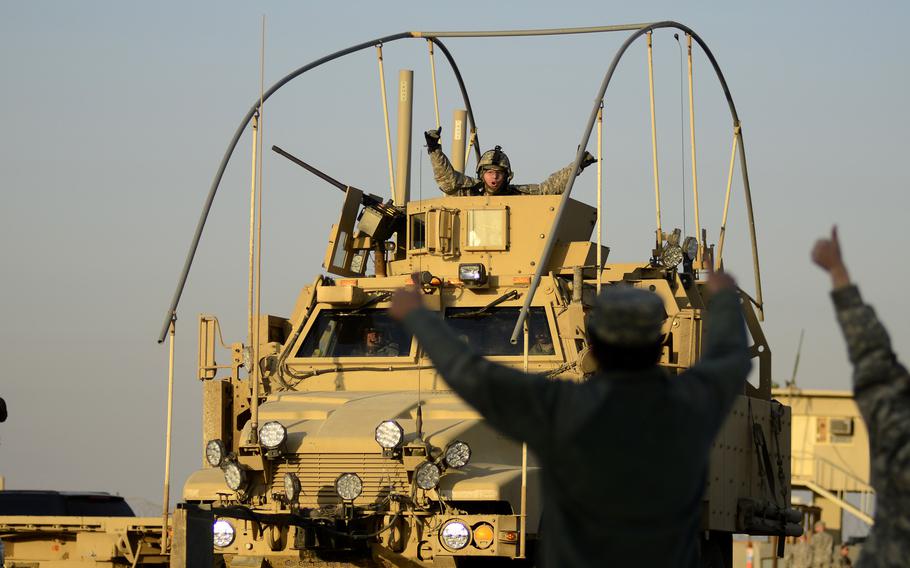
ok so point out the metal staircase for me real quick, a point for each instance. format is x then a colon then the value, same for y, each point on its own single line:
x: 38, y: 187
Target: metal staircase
x: 834, y: 483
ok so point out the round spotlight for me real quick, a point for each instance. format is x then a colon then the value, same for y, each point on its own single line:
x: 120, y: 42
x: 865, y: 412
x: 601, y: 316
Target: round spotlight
x: 455, y: 535
x: 458, y: 454
x: 348, y: 486
x: 215, y: 452
x: 272, y: 434
x: 427, y: 475
x: 291, y: 487
x: 222, y: 533
x: 389, y: 434
x: 234, y: 476
x: 670, y: 255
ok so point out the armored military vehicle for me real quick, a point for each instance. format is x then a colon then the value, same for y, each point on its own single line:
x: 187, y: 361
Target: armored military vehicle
x: 329, y: 436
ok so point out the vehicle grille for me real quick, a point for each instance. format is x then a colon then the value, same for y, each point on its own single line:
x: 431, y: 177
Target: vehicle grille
x: 317, y: 474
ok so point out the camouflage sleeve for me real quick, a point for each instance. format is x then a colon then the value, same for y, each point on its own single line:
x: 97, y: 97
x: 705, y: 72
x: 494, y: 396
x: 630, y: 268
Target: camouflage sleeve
x: 881, y: 385
x: 449, y: 181
x: 553, y: 185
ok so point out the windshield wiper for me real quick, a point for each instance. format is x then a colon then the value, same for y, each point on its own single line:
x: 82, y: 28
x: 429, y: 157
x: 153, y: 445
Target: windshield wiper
x: 371, y: 302
x: 484, y: 311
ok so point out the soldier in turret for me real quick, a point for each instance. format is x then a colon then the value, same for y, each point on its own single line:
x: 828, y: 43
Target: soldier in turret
x: 881, y: 388
x: 494, y: 173
x: 626, y: 427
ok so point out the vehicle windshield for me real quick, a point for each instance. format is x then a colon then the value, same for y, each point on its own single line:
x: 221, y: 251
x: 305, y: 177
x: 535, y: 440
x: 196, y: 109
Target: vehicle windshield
x: 489, y: 332
x: 368, y: 333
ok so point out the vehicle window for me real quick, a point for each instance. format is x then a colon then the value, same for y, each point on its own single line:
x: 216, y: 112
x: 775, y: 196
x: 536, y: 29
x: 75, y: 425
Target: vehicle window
x: 370, y: 333
x: 489, y: 332
x: 418, y: 231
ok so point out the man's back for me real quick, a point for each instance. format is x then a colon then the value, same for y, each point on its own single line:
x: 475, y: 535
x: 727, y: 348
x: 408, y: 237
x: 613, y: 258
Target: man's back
x: 648, y: 444
x: 623, y: 454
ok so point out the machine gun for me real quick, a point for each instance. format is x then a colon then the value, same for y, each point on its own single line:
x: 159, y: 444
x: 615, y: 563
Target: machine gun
x: 377, y: 219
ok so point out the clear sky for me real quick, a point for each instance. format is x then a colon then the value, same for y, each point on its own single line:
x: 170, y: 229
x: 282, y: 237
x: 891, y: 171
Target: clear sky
x: 115, y: 115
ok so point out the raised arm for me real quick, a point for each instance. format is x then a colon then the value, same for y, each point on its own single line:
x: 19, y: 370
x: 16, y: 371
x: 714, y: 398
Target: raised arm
x: 718, y: 376
x: 556, y: 183
x: 449, y: 180
x: 515, y: 403
x: 881, y: 384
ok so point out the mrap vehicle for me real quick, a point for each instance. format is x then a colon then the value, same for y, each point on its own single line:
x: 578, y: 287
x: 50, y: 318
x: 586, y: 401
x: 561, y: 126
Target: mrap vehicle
x: 329, y: 436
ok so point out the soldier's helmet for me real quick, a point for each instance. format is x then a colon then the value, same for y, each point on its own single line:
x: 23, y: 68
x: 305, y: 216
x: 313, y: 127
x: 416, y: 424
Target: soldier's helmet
x: 494, y: 158
x: 627, y: 317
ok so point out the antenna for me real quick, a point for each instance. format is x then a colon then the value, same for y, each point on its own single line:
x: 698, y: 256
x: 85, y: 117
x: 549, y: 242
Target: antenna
x: 792, y: 382
x: 682, y: 136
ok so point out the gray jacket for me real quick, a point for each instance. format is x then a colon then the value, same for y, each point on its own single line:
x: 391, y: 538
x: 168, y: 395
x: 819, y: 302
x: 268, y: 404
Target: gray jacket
x: 624, y: 455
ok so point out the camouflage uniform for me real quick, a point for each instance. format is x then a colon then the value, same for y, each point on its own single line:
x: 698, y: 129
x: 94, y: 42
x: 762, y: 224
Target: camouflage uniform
x: 541, y: 349
x: 881, y: 388
x: 799, y: 555
x: 822, y: 545
x: 455, y: 183
x: 384, y: 350
x: 623, y: 455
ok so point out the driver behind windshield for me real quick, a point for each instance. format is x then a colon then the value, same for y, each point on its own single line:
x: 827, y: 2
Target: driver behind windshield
x: 543, y: 344
x: 375, y: 344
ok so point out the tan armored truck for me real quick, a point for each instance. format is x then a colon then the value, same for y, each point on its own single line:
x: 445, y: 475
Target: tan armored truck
x: 329, y: 437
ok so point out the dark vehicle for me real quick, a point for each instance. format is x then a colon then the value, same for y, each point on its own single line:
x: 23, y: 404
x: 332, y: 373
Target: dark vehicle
x: 63, y: 504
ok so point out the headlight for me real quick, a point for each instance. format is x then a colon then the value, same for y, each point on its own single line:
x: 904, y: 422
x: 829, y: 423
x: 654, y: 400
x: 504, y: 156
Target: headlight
x: 455, y: 535
x: 670, y: 255
x: 473, y: 275
x: 272, y: 435
x: 215, y: 452
x: 348, y: 486
x: 291, y: 487
x: 458, y: 454
x: 427, y: 475
x: 234, y: 476
x: 222, y: 533
x: 389, y: 434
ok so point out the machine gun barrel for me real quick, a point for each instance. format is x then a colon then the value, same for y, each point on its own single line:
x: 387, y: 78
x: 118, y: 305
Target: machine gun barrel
x: 368, y: 198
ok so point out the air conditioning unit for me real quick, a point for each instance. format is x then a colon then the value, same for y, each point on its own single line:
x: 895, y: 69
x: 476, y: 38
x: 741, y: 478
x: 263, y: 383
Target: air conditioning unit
x: 842, y: 426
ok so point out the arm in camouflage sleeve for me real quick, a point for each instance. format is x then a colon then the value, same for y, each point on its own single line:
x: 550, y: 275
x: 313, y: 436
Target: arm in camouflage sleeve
x: 881, y: 384
x: 553, y: 185
x: 449, y: 181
